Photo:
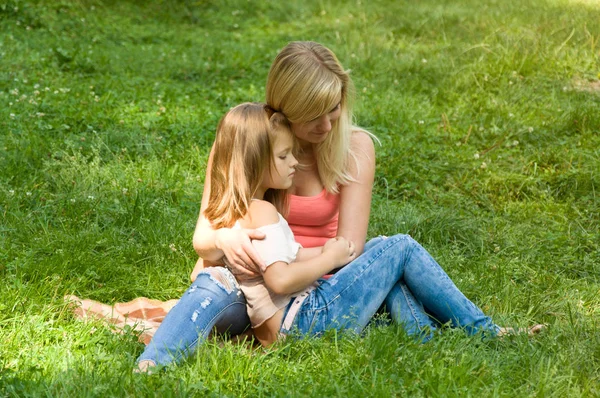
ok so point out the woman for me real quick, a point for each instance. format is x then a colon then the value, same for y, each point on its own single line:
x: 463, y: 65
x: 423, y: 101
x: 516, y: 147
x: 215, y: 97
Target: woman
x: 330, y: 196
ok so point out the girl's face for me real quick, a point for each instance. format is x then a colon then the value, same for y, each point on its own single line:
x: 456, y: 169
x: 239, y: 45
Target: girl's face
x: 316, y: 130
x: 284, y: 164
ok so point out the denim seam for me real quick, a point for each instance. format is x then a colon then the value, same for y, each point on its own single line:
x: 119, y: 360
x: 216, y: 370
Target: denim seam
x: 411, y: 306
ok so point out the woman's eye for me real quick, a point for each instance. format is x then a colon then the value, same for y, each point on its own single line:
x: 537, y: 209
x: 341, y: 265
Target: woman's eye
x: 283, y: 157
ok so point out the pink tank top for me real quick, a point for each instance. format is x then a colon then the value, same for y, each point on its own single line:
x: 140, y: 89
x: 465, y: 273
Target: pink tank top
x: 314, y: 219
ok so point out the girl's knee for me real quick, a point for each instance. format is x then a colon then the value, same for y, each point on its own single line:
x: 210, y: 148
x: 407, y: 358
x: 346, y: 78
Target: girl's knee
x: 219, y: 276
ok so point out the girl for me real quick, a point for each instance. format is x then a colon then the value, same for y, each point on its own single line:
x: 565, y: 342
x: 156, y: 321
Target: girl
x: 253, y: 166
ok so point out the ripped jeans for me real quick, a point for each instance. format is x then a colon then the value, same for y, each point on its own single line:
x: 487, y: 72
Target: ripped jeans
x: 213, y: 301
x: 400, y: 274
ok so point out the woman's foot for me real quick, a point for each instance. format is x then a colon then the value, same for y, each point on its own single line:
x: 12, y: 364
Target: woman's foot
x: 145, y: 366
x: 530, y: 331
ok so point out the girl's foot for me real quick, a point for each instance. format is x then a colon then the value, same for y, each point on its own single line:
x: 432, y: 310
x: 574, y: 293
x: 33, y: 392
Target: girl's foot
x: 530, y: 331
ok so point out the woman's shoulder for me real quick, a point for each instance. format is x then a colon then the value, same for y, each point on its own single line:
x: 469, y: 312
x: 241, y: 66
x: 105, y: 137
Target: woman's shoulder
x: 260, y: 213
x: 361, y: 138
x: 362, y: 151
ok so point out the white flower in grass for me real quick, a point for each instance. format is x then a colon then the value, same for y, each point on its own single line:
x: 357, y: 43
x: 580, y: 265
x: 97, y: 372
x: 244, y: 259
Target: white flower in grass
x: 12, y: 115
x: 172, y: 247
x: 424, y: 60
x: 90, y: 197
x: 421, y: 121
x: 530, y: 129
x: 12, y: 192
x: 28, y: 193
x: 124, y: 190
x: 476, y: 156
x: 511, y: 115
x: 72, y: 200
x: 483, y: 165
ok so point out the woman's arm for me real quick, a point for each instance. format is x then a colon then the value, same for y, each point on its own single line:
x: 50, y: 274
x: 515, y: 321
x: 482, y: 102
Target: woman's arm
x: 355, y: 198
x: 235, y: 244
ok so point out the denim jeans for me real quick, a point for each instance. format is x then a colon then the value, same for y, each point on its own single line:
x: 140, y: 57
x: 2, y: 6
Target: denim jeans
x: 400, y: 274
x: 214, y: 300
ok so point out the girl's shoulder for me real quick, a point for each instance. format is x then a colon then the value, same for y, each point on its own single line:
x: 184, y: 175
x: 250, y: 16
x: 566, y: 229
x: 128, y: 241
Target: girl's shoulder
x: 260, y: 213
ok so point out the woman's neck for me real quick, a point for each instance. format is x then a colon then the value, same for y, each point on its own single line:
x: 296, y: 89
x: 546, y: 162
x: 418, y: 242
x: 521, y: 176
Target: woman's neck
x: 306, y: 154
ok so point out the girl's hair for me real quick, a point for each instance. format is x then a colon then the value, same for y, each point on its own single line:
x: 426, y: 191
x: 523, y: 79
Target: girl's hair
x: 306, y: 81
x: 243, y: 150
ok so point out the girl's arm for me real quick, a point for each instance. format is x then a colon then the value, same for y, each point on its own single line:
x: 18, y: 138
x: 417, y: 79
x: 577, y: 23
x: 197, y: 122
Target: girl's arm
x: 305, y: 254
x: 355, y: 198
x: 283, y: 278
x: 235, y: 244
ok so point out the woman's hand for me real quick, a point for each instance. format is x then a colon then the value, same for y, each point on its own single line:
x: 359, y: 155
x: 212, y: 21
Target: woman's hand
x: 237, y: 247
x: 342, y: 250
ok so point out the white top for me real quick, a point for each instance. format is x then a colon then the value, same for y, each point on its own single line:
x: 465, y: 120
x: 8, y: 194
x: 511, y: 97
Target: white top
x: 278, y: 245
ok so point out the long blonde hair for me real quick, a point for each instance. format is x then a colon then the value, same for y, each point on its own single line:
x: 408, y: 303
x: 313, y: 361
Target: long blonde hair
x: 306, y: 81
x: 243, y: 150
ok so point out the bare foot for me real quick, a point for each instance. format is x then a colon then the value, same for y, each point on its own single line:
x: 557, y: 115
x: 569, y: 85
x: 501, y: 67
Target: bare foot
x: 530, y: 331
x: 145, y: 367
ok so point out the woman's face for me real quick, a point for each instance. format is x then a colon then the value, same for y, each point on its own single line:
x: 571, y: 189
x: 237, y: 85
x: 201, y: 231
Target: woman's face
x: 315, y: 131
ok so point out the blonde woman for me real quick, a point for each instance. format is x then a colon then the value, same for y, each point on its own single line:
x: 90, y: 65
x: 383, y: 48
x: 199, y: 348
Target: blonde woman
x: 330, y: 197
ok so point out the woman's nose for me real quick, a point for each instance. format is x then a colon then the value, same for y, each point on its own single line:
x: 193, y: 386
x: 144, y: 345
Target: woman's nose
x: 325, y: 124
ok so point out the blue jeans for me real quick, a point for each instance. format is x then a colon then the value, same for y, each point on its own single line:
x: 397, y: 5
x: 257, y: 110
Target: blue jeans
x: 400, y: 274
x: 213, y: 301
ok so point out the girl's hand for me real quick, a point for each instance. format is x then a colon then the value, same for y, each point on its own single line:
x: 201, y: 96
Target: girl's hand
x: 342, y: 250
x: 237, y: 248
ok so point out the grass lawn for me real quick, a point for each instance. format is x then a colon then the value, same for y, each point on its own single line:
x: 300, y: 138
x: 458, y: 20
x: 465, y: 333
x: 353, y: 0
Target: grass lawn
x: 489, y: 117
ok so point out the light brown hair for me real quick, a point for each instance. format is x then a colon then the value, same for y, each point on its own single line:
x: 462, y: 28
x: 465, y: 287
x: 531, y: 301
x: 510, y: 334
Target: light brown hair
x: 243, y: 150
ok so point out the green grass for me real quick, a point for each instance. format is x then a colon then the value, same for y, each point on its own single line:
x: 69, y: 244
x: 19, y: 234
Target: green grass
x: 489, y: 117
